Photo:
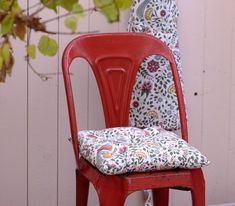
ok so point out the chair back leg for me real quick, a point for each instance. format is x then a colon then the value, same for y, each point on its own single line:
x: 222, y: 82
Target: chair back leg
x: 160, y: 197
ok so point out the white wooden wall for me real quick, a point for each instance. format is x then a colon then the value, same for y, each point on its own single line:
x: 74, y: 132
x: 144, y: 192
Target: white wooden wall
x: 36, y: 160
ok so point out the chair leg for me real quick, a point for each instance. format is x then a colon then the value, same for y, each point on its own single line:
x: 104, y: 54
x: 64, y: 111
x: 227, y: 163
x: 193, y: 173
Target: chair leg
x: 82, y: 189
x: 160, y: 197
x: 112, y: 198
x: 198, y: 189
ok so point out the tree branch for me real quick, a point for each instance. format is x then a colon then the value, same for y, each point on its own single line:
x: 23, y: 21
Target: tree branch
x: 43, y: 76
x: 26, y: 23
x: 2, y: 15
x: 38, y: 11
x: 31, y: 7
x: 69, y: 14
x: 69, y: 33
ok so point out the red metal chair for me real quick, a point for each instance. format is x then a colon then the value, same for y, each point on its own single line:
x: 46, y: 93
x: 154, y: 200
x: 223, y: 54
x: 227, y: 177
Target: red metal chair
x: 115, y: 59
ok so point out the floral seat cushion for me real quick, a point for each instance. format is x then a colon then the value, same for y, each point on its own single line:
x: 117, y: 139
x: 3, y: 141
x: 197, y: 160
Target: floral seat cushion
x: 129, y: 149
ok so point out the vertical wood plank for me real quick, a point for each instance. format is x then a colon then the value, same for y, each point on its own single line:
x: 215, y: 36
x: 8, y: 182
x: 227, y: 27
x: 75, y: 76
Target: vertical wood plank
x: 191, y: 39
x: 13, y: 138
x: 231, y: 149
x: 122, y: 24
x: 216, y: 98
x: 66, y: 167
x: 13, y: 127
x: 42, y: 123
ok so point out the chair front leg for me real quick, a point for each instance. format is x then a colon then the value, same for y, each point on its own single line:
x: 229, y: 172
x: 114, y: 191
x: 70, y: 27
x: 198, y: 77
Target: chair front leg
x: 82, y: 189
x: 198, y: 189
x: 112, y: 197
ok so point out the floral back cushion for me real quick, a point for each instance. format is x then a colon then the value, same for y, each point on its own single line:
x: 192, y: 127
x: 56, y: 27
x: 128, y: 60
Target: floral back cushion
x: 129, y: 149
x: 154, y: 100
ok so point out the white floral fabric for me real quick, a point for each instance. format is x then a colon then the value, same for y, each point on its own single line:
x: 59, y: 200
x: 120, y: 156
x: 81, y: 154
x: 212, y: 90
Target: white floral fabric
x: 154, y: 100
x: 128, y: 149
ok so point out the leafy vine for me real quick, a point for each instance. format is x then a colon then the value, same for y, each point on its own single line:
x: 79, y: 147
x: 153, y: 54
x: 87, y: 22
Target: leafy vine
x: 19, y: 23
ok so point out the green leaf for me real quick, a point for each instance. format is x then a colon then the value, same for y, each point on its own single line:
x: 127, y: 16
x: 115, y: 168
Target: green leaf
x: 7, y: 24
x: 78, y: 9
x: 47, y: 46
x: 102, y: 3
x: 6, y: 53
x: 51, y: 4
x: 31, y: 51
x: 53, y: 47
x: 16, y: 8
x: 43, y: 45
x: 109, y: 9
x: 111, y: 12
x: 5, y: 4
x: 67, y: 4
x: 123, y: 4
x: 71, y: 23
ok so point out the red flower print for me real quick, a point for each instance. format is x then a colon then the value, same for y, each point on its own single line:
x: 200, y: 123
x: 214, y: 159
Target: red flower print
x: 135, y: 104
x: 153, y: 66
x: 146, y: 87
x: 163, y: 13
x: 123, y: 149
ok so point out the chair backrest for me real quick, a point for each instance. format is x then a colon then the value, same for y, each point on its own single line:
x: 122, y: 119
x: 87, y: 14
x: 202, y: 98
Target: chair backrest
x: 115, y: 59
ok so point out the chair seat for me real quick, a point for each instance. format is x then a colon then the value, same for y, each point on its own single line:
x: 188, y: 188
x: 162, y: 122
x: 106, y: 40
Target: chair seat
x: 139, y: 181
x: 128, y: 149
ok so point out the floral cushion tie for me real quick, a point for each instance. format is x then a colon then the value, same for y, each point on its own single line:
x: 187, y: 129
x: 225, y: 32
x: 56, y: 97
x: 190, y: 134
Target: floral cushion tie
x: 128, y: 149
